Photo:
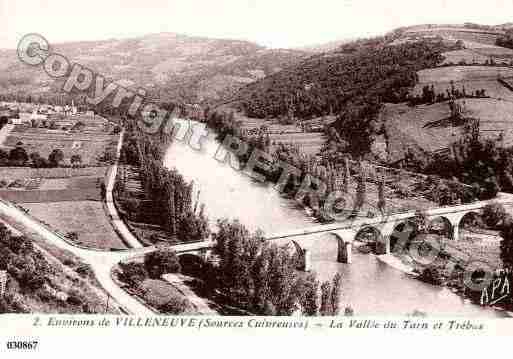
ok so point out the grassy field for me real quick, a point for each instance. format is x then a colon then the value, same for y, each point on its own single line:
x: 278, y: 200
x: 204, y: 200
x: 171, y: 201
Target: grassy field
x: 157, y: 293
x: 478, y: 54
x: 462, y: 73
x: 472, y: 78
x: 427, y: 127
x: 418, y: 126
x: 456, y: 32
x: 85, y: 218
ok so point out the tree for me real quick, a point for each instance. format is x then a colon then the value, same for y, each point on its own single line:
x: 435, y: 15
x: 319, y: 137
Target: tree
x: 360, y: 190
x: 176, y: 306
x: 76, y: 160
x: 381, y: 197
x: 4, y: 158
x: 506, y: 245
x: 133, y: 273
x: 420, y: 223
x: 326, y: 308
x: 309, y: 301
x: 161, y: 262
x: 18, y: 156
x: 336, y: 289
x: 55, y: 158
x: 132, y: 206
x: 38, y: 161
x: 494, y: 214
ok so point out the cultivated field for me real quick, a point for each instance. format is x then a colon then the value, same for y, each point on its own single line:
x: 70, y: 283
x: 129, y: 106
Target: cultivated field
x: 429, y: 128
x: 421, y: 126
x: 89, y: 146
x: 479, y: 56
x: 85, y: 218
x: 43, y: 190
x: 463, y: 73
x: 310, y: 143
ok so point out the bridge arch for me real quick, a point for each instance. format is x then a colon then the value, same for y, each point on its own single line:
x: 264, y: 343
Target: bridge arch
x: 300, y: 254
x: 191, y: 264
x: 442, y: 226
x: 469, y: 222
x: 372, y: 236
x: 402, y: 234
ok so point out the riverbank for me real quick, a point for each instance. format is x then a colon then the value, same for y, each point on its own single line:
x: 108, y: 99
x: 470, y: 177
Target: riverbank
x: 370, y: 286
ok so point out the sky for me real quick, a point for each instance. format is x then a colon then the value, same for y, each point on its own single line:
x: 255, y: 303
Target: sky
x: 272, y: 23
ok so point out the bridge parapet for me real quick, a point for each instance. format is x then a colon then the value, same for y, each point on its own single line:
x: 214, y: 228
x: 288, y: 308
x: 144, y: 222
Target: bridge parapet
x: 348, y: 231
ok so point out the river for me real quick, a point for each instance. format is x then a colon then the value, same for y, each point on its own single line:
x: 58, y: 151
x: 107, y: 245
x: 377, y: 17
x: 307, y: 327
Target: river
x: 370, y: 286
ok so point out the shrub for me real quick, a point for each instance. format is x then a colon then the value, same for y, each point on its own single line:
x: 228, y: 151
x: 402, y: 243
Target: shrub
x: 133, y: 273
x: 175, y: 306
x: 494, y: 215
x: 349, y: 312
x: 75, y: 300
x: 161, y: 262
x: 55, y: 158
x: 432, y: 275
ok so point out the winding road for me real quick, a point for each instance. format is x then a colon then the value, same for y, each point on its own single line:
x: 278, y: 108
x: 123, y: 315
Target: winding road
x: 101, y: 262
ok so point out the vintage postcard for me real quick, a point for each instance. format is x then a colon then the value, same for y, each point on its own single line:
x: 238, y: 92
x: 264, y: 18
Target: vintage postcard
x: 241, y: 166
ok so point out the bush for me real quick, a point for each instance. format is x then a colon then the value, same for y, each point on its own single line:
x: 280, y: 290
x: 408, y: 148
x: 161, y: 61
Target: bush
x: 75, y: 300
x: 133, y: 273
x: 55, y: 158
x: 175, y: 306
x: 432, y: 275
x: 161, y: 262
x: 494, y: 215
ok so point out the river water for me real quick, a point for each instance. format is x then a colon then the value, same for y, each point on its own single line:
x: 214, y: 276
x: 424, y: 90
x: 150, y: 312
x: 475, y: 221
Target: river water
x: 370, y: 286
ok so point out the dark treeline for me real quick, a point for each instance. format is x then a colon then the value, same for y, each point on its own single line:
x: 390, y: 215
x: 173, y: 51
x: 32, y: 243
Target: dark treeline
x: 351, y: 84
x: 334, y: 170
x: 505, y: 40
x: 430, y: 96
x: 263, y: 278
x: 168, y: 198
x: 326, y: 84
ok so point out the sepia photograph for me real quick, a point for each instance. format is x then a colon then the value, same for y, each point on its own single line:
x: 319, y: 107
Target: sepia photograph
x: 260, y: 165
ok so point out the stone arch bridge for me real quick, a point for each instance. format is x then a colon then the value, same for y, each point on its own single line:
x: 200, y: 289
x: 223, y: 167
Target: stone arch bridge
x: 345, y: 233
x: 383, y: 227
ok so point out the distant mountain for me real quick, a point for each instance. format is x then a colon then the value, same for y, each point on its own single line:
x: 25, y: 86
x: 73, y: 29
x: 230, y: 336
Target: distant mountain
x: 170, y: 66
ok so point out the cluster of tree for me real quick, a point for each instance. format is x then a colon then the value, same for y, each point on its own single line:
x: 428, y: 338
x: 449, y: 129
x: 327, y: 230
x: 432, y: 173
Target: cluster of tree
x: 447, y: 192
x: 263, y: 279
x: 429, y: 95
x: 28, y: 274
x: 505, y: 40
x: 333, y: 169
x: 482, y: 163
x: 18, y: 157
x: 169, y: 198
x: 155, y: 265
x: 352, y: 84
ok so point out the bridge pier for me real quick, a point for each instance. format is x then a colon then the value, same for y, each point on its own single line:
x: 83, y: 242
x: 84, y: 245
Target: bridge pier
x: 345, y: 252
x: 455, y: 232
x: 383, y: 246
x: 307, y: 260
